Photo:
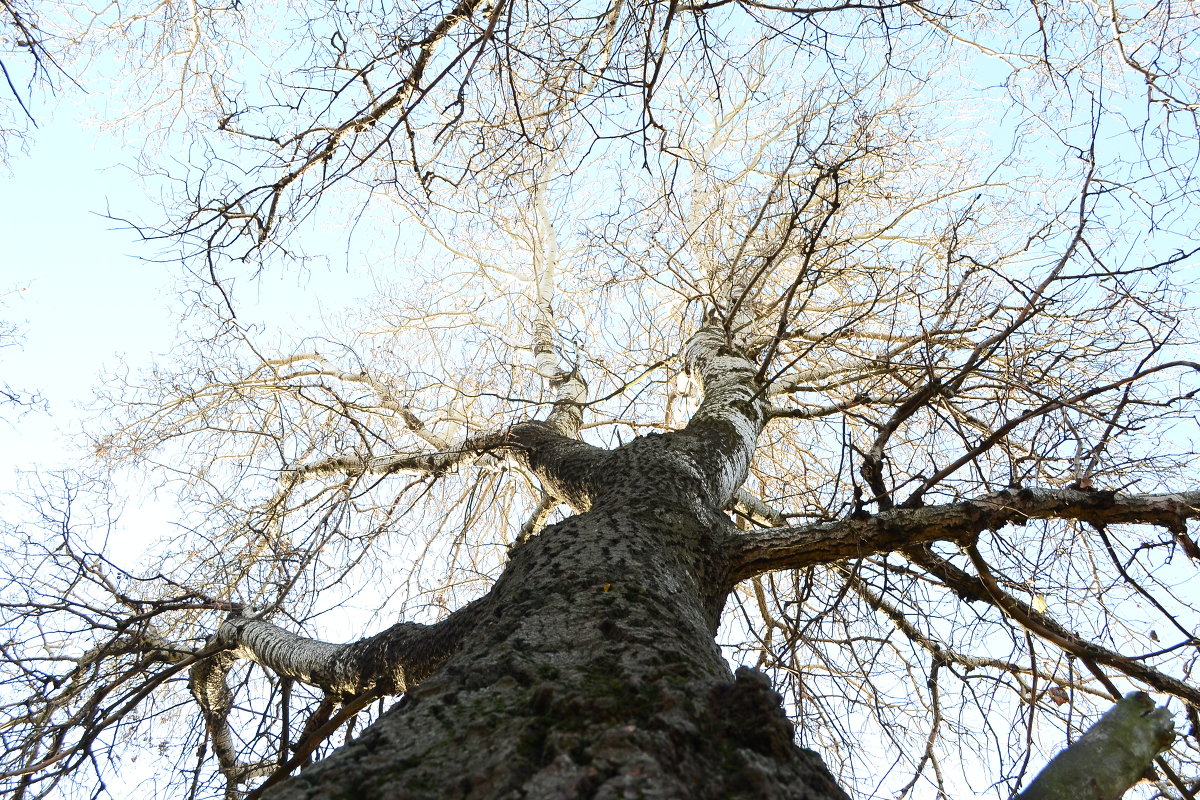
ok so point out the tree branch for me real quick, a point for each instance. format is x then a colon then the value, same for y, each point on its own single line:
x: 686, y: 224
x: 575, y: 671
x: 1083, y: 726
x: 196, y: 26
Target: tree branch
x: 754, y: 508
x: 731, y: 415
x: 816, y: 412
x: 1110, y: 757
x: 390, y: 662
x: 1047, y: 628
x: 433, y: 463
x: 800, y: 546
x: 207, y: 680
x: 938, y: 651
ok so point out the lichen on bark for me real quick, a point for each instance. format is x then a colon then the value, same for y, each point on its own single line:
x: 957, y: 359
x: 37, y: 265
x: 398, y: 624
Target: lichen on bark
x: 591, y: 670
x: 1110, y: 757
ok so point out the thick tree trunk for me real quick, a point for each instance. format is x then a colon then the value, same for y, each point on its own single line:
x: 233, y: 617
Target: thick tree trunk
x: 593, y: 673
x: 590, y: 669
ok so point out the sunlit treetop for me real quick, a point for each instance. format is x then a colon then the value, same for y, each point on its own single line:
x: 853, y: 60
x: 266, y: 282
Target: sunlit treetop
x: 948, y: 245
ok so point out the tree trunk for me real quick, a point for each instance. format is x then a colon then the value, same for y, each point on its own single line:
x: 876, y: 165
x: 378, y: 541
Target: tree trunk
x: 592, y: 672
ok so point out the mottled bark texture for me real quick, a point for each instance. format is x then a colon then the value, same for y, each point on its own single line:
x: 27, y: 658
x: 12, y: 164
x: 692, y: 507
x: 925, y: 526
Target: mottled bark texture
x: 387, y: 663
x: 590, y: 669
x: 1110, y: 757
x: 595, y: 675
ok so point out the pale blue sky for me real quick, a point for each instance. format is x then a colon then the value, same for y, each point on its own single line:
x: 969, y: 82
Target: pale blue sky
x: 81, y: 295
x: 88, y: 299
x: 84, y: 289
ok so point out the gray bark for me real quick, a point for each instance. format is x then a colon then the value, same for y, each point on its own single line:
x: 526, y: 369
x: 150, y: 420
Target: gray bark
x: 594, y: 675
x: 590, y: 669
x: 905, y: 528
x: 1110, y: 757
x: 387, y: 663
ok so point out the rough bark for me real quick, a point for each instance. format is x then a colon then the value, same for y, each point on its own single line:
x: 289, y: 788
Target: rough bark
x: 595, y: 675
x: 784, y: 548
x: 590, y: 669
x: 1110, y: 757
x: 387, y: 663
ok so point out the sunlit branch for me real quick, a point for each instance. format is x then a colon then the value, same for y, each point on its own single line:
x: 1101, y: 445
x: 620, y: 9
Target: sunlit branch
x: 257, y: 210
x: 97, y: 703
x: 1153, y: 79
x: 390, y: 662
x: 208, y: 682
x: 434, y: 463
x: 568, y: 386
x: 384, y: 396
x: 732, y: 410
x: 816, y: 378
x: 816, y: 412
x: 757, y: 552
x: 754, y: 507
x: 537, y: 519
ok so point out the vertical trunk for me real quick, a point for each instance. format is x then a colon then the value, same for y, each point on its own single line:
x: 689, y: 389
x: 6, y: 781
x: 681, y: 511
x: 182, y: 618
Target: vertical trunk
x: 593, y: 671
x: 595, y: 676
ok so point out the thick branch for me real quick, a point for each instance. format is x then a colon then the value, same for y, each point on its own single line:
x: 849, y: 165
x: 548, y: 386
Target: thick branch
x: 1110, y: 757
x: 434, y: 463
x: 209, y: 685
x: 565, y: 466
x: 390, y: 662
x: 790, y: 548
x: 816, y: 412
x: 570, y: 390
x: 570, y: 393
x: 754, y: 507
x: 731, y: 415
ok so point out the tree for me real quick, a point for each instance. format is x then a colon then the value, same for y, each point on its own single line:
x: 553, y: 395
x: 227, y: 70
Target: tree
x: 727, y: 323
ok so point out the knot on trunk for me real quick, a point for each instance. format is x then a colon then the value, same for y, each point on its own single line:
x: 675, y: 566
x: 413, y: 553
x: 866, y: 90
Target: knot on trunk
x: 752, y: 714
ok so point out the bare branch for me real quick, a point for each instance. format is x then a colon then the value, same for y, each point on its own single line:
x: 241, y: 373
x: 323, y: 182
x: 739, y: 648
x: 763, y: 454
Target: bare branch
x: 757, y: 552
